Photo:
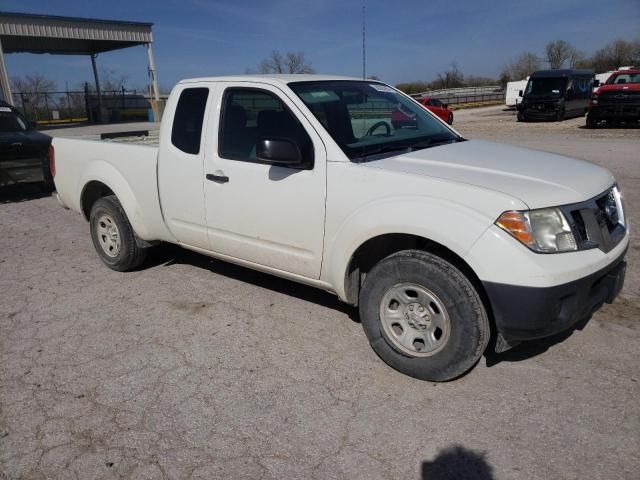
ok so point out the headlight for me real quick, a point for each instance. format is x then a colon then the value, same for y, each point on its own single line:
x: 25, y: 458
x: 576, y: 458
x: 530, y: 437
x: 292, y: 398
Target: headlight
x: 617, y: 196
x: 545, y: 230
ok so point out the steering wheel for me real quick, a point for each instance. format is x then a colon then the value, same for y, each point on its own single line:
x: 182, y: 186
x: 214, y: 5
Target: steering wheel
x: 377, y: 125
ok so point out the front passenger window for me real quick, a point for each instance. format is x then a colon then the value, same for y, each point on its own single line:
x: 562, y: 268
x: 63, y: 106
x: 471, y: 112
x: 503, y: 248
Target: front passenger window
x: 250, y: 115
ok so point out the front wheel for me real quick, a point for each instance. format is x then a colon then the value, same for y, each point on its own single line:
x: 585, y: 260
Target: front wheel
x: 113, y: 236
x: 423, y: 317
x: 591, y: 123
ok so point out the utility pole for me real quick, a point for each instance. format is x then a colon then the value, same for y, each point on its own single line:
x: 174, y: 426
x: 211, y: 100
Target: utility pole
x: 364, y: 51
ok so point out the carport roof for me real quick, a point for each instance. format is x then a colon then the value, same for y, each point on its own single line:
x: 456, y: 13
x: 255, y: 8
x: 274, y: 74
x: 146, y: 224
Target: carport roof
x: 28, y: 33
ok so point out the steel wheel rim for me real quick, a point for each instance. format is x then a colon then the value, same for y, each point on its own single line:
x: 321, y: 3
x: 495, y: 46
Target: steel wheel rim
x: 414, y: 319
x: 108, y: 235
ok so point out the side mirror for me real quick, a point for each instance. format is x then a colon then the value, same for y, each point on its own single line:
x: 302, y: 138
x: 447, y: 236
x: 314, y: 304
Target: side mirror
x: 445, y: 105
x: 520, y: 94
x: 596, y: 83
x: 34, y: 125
x: 279, y: 151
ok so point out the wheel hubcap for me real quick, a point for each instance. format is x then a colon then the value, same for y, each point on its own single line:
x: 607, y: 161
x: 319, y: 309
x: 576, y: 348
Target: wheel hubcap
x: 414, y: 319
x: 108, y: 235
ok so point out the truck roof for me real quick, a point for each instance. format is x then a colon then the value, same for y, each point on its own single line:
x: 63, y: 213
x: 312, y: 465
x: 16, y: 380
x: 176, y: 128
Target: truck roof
x: 565, y: 72
x: 271, y: 78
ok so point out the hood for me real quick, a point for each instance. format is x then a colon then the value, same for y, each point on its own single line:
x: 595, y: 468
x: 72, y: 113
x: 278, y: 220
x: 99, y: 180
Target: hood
x: 538, y: 179
x: 618, y: 87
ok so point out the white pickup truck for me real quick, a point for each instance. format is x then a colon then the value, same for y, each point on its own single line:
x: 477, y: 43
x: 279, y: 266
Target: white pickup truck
x: 443, y: 243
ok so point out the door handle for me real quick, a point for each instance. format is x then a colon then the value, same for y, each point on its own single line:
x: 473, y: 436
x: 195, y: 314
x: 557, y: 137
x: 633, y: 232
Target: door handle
x: 217, y: 178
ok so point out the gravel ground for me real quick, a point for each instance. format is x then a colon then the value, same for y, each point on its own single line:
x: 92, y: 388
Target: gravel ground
x: 193, y: 368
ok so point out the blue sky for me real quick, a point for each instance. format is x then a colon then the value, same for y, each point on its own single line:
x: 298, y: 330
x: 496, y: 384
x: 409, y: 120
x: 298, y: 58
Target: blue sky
x: 411, y: 40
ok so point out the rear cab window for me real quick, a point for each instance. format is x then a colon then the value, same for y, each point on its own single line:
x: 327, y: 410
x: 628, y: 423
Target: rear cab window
x: 11, y: 121
x: 186, y: 131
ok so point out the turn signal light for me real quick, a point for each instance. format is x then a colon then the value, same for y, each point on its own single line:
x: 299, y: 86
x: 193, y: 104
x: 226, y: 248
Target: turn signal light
x: 516, y: 224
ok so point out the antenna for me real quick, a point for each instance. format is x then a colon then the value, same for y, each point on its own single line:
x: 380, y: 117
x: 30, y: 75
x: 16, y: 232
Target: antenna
x: 364, y: 63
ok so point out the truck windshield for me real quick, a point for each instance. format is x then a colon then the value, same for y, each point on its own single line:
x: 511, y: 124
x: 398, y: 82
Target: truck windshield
x: 621, y: 78
x: 11, y: 122
x: 371, y: 120
x: 546, y: 87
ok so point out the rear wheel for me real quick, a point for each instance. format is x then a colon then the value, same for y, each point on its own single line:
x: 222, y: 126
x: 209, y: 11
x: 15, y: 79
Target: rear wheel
x: 423, y: 317
x: 113, y: 236
x: 521, y: 117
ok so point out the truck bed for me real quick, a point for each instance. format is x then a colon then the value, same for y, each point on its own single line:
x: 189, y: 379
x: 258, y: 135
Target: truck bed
x: 130, y: 171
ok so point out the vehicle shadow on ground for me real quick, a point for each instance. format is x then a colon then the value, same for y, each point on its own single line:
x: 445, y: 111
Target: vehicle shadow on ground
x: 616, y: 126
x: 530, y: 349
x: 22, y: 192
x: 167, y: 255
x: 457, y: 462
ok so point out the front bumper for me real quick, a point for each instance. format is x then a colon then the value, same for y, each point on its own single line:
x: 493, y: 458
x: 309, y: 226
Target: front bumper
x: 527, y: 313
x: 615, y: 111
x: 539, y: 111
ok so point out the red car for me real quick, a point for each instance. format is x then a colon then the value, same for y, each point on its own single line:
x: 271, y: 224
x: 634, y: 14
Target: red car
x: 400, y: 118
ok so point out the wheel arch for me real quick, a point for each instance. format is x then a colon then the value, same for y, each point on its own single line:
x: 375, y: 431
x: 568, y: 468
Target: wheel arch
x: 370, y: 252
x: 102, y: 179
x: 91, y: 193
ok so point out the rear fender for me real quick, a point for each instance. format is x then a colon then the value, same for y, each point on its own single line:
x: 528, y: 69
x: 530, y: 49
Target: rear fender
x: 103, y: 172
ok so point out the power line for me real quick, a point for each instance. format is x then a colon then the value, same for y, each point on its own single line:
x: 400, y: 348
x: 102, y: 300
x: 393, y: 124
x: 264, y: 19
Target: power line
x: 364, y: 58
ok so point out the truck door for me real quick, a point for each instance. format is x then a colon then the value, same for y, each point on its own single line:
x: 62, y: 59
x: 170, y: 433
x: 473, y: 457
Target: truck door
x: 180, y: 164
x: 258, y: 210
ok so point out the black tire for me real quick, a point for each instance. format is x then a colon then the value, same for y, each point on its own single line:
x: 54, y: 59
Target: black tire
x: 521, y: 118
x: 128, y: 255
x: 560, y: 115
x: 469, y: 329
x: 591, y: 123
x: 450, y: 119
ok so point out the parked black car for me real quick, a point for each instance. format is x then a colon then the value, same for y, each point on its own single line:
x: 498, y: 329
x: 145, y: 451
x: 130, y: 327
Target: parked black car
x: 24, y: 152
x: 556, y: 95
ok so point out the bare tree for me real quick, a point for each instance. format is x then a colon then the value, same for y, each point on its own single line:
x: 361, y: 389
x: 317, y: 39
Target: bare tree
x: 560, y: 52
x: 522, y: 66
x: 111, y: 80
x: 291, y: 62
x: 450, y: 78
x: 616, y: 54
x: 32, y: 90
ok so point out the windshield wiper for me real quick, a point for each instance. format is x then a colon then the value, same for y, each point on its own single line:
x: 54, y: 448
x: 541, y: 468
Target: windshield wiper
x: 408, y: 147
x: 434, y: 142
x: 383, y: 149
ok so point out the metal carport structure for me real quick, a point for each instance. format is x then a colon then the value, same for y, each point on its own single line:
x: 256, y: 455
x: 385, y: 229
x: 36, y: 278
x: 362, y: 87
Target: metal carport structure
x: 29, y: 33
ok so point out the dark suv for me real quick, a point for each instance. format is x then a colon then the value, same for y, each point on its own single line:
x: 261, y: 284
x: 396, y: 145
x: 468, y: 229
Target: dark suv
x: 555, y: 95
x: 24, y: 152
x: 618, y: 100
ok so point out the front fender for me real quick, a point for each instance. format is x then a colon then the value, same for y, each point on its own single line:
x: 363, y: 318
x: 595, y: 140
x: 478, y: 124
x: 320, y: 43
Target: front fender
x: 450, y: 224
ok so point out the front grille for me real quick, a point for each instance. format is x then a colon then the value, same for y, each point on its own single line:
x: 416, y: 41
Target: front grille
x: 597, y: 223
x: 624, y: 96
x: 541, y: 107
